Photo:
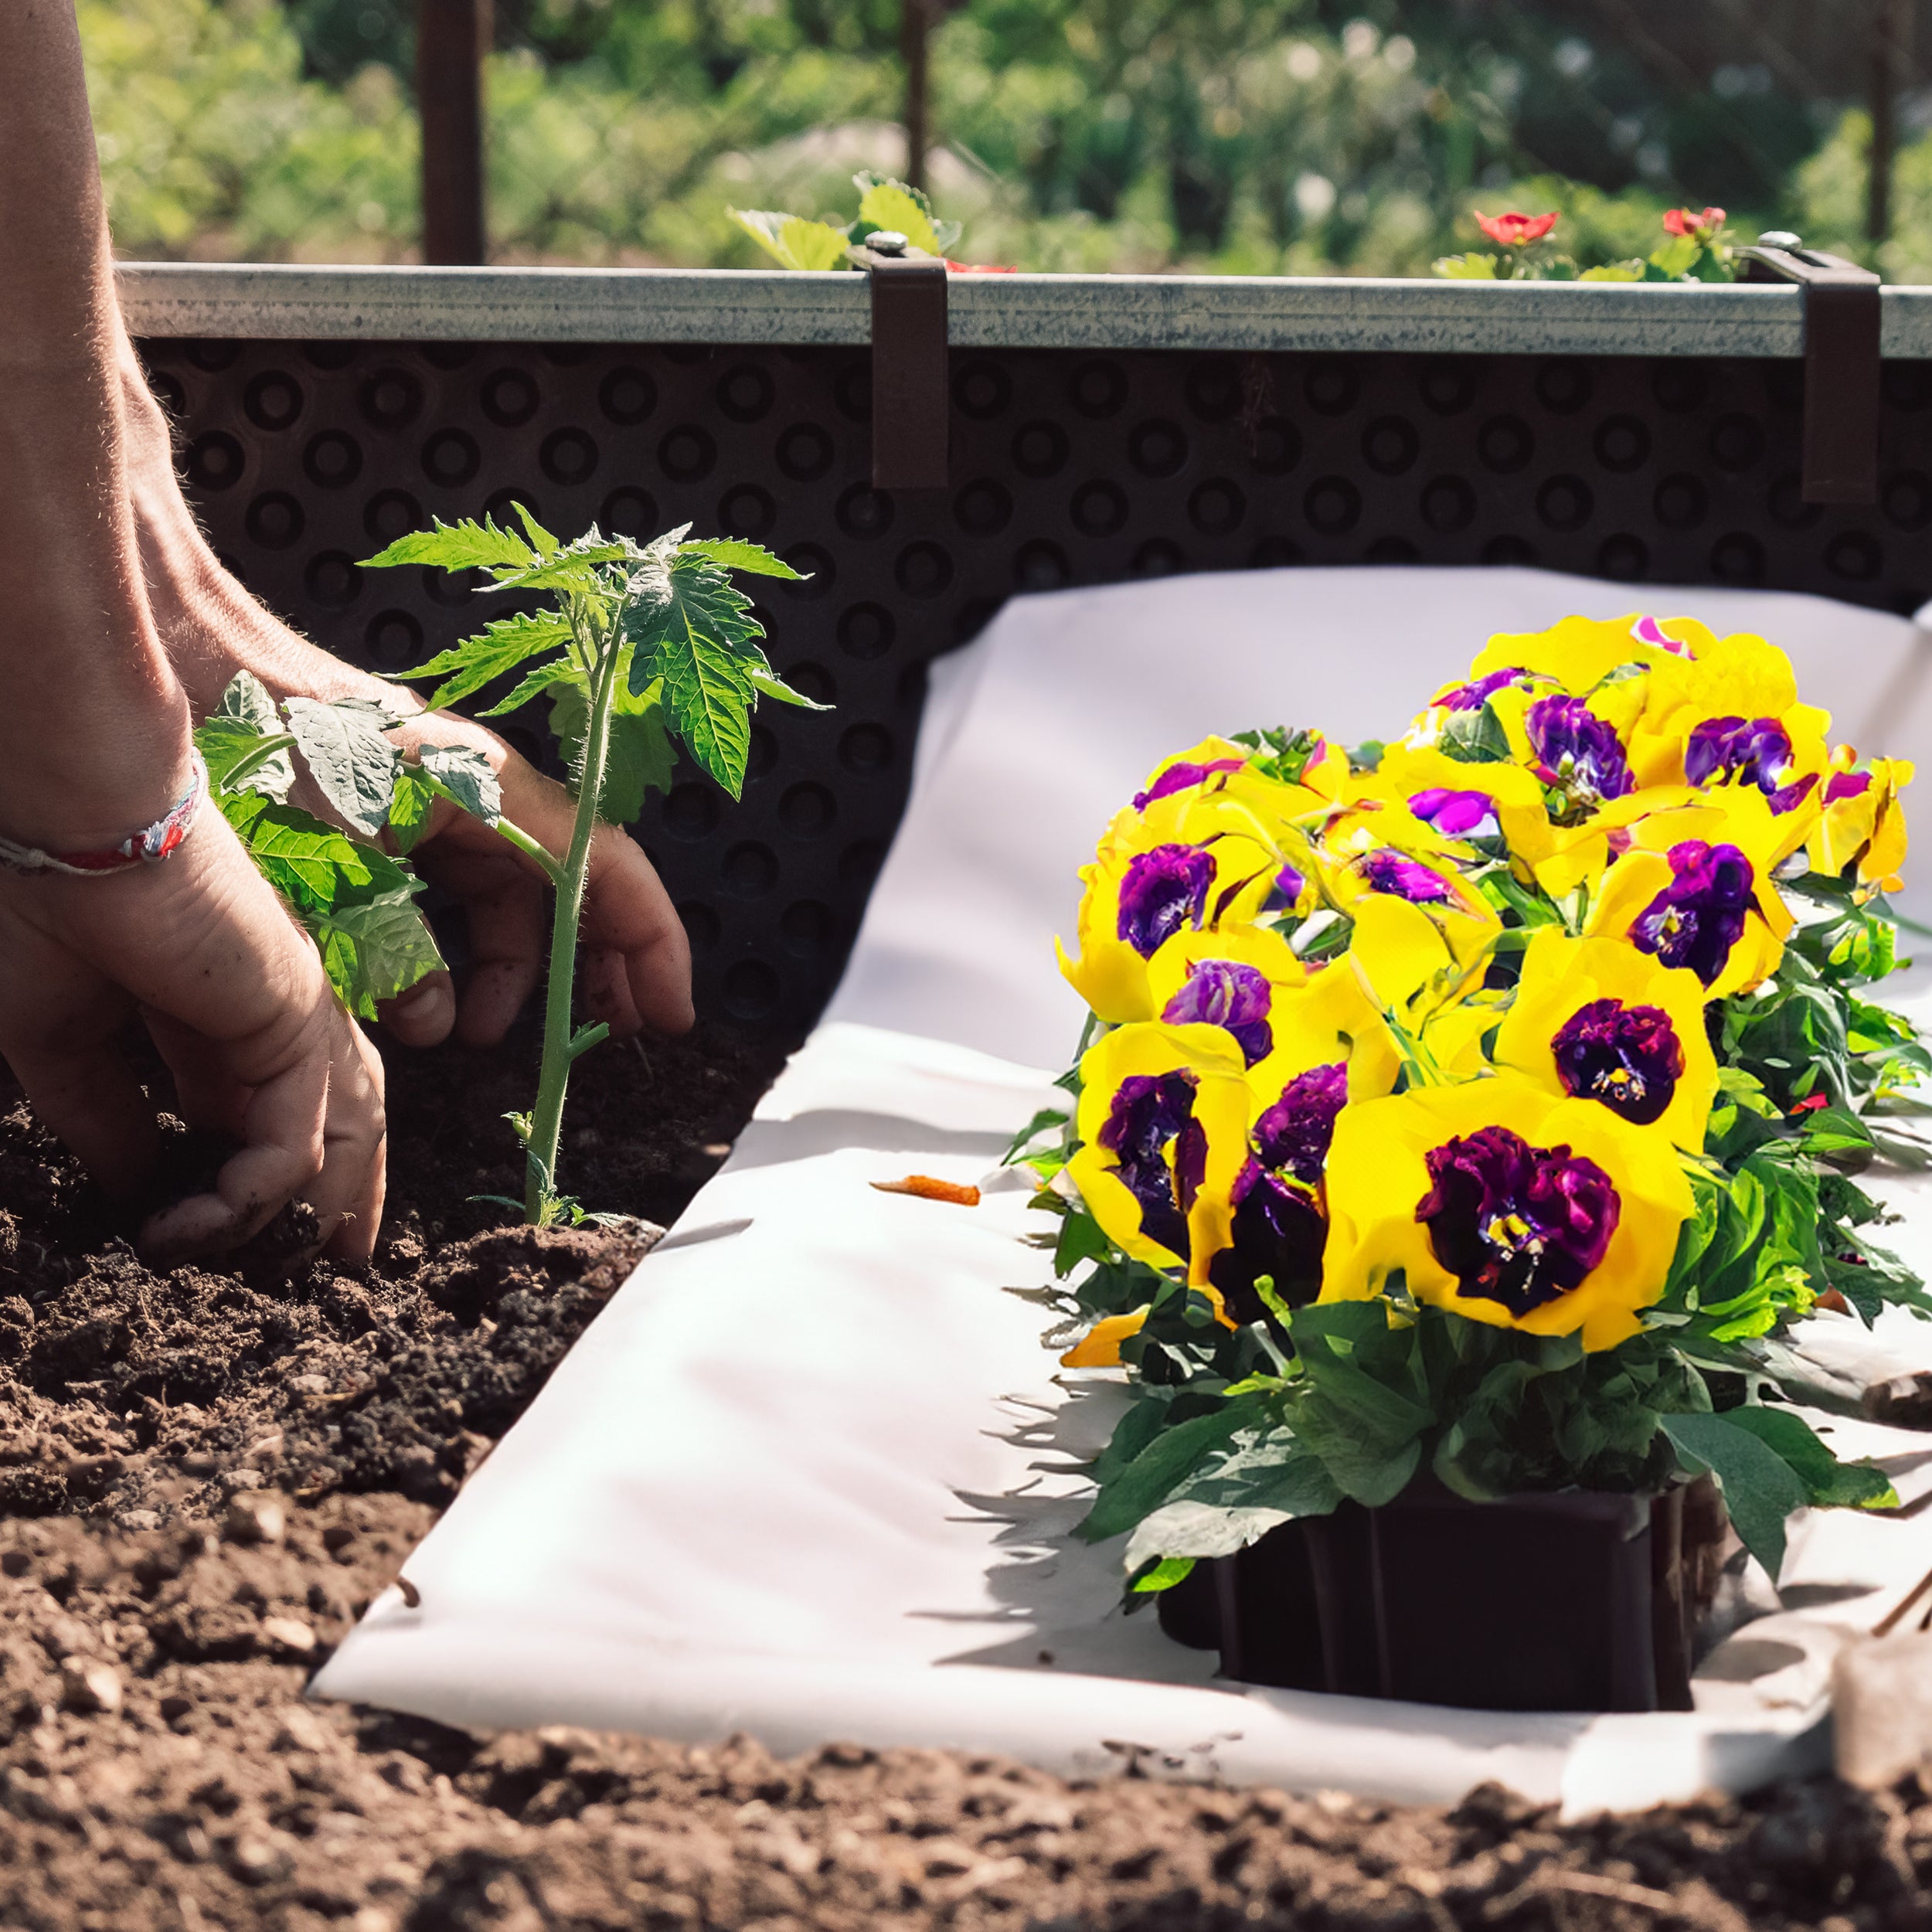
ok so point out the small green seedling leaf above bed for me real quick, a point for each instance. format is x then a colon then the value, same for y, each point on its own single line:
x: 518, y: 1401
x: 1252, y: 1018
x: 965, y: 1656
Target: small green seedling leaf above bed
x: 791, y: 240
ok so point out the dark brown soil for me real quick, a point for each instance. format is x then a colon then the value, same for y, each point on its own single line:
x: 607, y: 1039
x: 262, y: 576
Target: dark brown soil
x: 206, y: 1475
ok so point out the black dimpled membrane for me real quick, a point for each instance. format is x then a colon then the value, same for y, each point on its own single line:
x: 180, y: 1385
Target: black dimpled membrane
x: 1068, y: 467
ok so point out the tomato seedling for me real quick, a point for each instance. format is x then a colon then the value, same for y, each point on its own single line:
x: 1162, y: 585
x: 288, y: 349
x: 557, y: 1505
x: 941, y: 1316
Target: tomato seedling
x: 640, y: 645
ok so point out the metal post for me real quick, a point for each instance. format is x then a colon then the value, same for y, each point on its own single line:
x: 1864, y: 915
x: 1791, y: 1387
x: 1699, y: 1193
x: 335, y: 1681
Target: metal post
x: 915, y: 24
x: 1891, y: 50
x: 451, y: 38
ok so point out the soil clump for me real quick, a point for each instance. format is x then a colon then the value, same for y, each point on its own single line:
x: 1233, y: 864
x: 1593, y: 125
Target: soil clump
x: 207, y: 1473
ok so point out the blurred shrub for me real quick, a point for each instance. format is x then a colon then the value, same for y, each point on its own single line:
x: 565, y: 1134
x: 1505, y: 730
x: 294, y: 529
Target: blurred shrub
x: 212, y: 145
x: 1230, y: 136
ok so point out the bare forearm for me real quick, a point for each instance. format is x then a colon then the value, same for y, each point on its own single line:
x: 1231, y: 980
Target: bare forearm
x: 92, y: 731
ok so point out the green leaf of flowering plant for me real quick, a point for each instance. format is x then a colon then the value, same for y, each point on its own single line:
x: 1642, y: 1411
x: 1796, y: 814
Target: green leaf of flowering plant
x: 1163, y: 1574
x: 1761, y: 1489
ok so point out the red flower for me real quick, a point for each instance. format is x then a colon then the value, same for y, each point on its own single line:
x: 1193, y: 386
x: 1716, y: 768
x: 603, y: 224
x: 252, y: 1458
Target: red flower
x: 1812, y: 1103
x: 1688, y: 221
x: 1513, y: 230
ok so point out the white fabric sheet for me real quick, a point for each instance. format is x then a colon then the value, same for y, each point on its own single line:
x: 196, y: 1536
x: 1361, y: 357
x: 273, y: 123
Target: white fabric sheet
x: 806, y: 1475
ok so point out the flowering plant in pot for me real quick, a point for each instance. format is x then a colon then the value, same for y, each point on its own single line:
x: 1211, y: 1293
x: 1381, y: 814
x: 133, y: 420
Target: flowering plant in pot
x: 1473, y: 1119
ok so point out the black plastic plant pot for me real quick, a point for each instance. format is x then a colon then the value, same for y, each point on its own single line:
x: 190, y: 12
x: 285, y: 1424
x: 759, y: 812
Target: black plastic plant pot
x: 1570, y: 1602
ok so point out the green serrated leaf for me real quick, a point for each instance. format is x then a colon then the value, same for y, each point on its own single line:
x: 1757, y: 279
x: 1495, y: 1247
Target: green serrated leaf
x: 558, y: 671
x: 409, y: 811
x: 768, y: 684
x: 350, y: 760
x: 891, y: 204
x: 698, y: 635
x: 247, y: 702
x: 574, y: 565
x: 791, y: 240
x: 463, y: 546
x: 735, y: 555
x: 499, y: 647
x: 375, y: 951
x: 709, y: 693
x: 462, y: 773
x: 545, y: 545
x: 240, y: 759
x: 314, y: 867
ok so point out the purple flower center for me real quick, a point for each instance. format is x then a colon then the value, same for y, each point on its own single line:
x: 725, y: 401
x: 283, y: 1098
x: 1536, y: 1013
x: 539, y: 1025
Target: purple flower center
x: 1457, y: 815
x: 1576, y: 751
x: 1847, y: 784
x: 1757, y: 750
x: 1165, y: 891
x: 1227, y: 993
x: 1150, y: 1112
x: 1697, y: 919
x: 1279, y: 1227
x: 1387, y: 871
x: 1474, y: 696
x: 1516, y: 1224
x: 1177, y: 777
x: 1628, y: 1057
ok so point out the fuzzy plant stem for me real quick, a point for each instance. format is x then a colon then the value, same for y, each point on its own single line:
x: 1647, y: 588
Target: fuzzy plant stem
x: 560, y: 1046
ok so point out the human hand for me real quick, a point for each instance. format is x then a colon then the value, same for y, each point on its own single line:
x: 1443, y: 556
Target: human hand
x: 636, y: 959
x: 234, y: 996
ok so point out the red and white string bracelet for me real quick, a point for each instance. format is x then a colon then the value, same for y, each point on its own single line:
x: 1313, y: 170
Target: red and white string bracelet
x: 147, y: 847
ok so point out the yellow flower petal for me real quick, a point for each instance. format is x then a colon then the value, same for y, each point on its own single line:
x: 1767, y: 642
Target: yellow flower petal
x: 1099, y: 1348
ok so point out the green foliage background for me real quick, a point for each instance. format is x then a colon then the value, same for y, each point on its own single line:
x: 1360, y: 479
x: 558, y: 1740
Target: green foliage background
x: 1231, y: 136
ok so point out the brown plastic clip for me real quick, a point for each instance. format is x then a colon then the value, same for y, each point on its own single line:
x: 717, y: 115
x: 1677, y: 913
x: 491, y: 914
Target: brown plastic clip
x: 1841, y: 319
x: 911, y: 401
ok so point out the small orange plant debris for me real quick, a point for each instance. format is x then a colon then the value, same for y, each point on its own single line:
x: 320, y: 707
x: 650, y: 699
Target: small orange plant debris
x: 927, y: 1188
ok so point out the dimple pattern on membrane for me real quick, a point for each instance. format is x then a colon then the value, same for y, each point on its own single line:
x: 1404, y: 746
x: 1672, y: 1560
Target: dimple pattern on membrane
x: 1068, y: 468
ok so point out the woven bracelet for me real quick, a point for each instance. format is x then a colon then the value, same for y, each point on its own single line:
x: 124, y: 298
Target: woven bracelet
x: 145, y: 848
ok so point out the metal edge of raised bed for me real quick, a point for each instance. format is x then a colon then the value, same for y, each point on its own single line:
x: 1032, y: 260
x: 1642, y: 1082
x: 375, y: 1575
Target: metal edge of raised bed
x: 1330, y: 315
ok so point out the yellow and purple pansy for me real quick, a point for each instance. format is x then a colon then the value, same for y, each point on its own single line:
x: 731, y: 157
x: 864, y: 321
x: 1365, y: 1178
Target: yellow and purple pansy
x: 1185, y: 864
x: 1163, y: 1123
x: 1496, y: 1201
x: 1598, y: 1019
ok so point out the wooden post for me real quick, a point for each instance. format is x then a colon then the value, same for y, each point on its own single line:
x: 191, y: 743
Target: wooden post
x: 451, y: 39
x: 1891, y: 58
x: 915, y: 24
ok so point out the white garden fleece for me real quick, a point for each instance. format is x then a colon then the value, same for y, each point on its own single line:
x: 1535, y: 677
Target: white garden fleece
x: 807, y: 1475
